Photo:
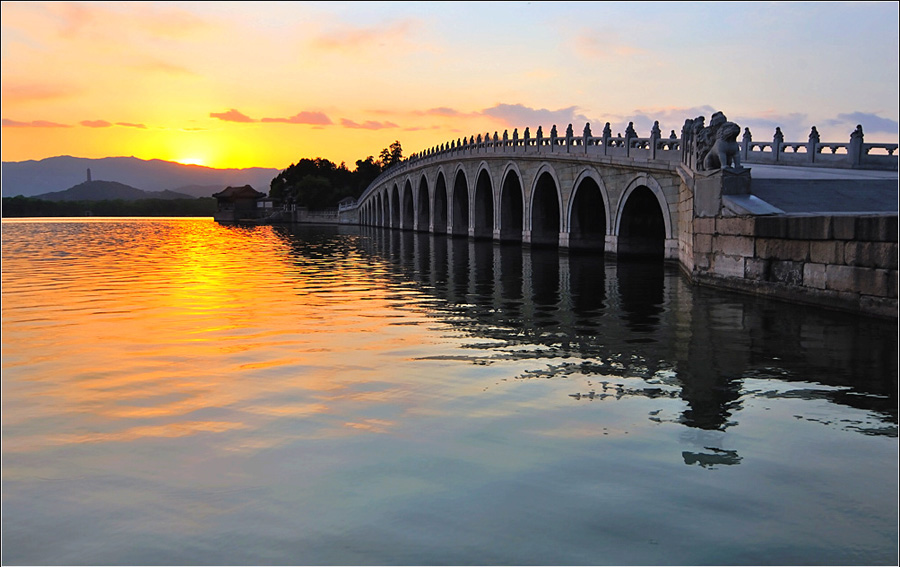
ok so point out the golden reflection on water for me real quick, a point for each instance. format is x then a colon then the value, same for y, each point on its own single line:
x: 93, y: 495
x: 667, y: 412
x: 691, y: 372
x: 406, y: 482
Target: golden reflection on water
x: 183, y: 318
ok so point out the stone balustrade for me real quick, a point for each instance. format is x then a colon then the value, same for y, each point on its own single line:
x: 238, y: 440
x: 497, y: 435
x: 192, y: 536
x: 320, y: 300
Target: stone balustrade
x: 853, y: 154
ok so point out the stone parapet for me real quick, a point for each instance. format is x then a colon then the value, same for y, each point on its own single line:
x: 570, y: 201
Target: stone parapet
x: 847, y: 262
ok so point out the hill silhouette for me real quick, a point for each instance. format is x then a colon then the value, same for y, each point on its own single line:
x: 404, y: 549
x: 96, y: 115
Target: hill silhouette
x: 56, y: 174
x: 108, y: 191
x: 205, y: 190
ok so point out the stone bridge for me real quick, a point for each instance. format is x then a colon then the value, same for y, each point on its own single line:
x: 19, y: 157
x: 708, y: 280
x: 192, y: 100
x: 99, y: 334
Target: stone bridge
x: 624, y: 195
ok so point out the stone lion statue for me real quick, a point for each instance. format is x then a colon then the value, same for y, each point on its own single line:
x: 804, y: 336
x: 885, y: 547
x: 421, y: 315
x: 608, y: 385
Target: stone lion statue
x: 725, y: 151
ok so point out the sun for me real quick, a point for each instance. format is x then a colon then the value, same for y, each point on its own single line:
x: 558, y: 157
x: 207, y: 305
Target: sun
x: 191, y: 161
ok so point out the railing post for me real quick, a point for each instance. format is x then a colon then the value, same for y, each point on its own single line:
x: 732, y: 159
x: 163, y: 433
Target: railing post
x: 655, y: 135
x: 629, y: 134
x: 812, y: 145
x: 607, y: 134
x: 777, y: 140
x: 746, y: 141
x: 539, y: 138
x: 587, y: 136
x: 569, y: 137
x: 686, y: 142
x: 856, y: 146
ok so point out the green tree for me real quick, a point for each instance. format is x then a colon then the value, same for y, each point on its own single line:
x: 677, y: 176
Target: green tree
x: 391, y: 155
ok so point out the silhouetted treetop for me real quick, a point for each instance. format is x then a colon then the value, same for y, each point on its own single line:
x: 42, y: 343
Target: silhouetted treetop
x: 318, y: 183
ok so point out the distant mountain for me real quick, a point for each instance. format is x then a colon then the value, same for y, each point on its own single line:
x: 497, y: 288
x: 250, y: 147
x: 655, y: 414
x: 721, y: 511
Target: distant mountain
x: 108, y: 191
x: 206, y: 190
x: 32, y: 178
x: 167, y: 195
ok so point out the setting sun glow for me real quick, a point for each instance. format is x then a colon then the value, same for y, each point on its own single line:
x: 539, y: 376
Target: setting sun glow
x: 192, y: 161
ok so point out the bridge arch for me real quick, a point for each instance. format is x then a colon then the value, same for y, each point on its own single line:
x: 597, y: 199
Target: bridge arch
x: 459, y: 206
x: 439, y: 222
x: 643, y: 224
x: 377, y: 209
x: 395, y: 207
x: 512, y: 207
x: 588, y: 214
x: 423, y: 206
x: 483, y: 204
x: 546, y: 223
x: 409, y: 213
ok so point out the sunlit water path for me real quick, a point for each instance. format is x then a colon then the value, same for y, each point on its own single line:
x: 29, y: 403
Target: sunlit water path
x: 175, y: 391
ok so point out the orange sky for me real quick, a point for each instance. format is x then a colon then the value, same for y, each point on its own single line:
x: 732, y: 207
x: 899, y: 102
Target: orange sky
x: 229, y: 84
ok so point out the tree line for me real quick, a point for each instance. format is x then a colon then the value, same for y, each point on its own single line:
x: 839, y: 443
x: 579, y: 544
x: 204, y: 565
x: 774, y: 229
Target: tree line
x: 319, y: 183
x: 19, y: 206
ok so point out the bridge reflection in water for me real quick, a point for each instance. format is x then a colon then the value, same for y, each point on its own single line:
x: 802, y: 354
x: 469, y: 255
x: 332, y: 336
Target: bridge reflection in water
x: 583, y: 313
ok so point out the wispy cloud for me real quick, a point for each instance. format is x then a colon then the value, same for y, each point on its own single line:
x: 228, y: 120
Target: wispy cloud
x: 232, y: 115
x: 305, y: 117
x: 28, y: 92
x: 606, y: 46
x: 350, y: 40
x: 794, y: 125
x: 157, y: 20
x: 164, y: 67
x: 442, y: 111
x: 96, y: 123
x: 519, y: 115
x: 73, y: 18
x: 367, y: 125
x: 869, y: 121
x: 421, y: 128
x: 669, y: 118
x: 7, y: 123
x: 168, y: 20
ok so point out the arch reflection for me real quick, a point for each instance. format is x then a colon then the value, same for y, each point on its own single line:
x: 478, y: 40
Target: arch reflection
x: 640, y: 329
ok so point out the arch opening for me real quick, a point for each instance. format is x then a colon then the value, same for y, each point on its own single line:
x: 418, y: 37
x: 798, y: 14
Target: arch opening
x: 409, y: 214
x: 395, y: 207
x: 511, y: 208
x: 460, y: 220
x: 587, y: 226
x: 545, y: 212
x: 483, y: 214
x: 379, y: 213
x: 642, y: 228
x: 440, y: 205
x: 423, y: 214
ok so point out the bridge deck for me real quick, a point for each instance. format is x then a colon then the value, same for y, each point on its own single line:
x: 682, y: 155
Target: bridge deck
x: 797, y: 190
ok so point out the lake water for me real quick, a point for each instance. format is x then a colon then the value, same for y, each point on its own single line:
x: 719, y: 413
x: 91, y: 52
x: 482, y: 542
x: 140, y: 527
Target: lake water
x: 176, y: 391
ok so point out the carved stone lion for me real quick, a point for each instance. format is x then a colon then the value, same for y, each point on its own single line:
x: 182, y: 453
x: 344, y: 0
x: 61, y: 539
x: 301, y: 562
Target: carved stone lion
x: 725, y: 151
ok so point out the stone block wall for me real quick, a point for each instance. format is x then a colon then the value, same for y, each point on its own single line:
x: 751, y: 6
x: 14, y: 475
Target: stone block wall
x: 845, y: 262
x: 684, y: 235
